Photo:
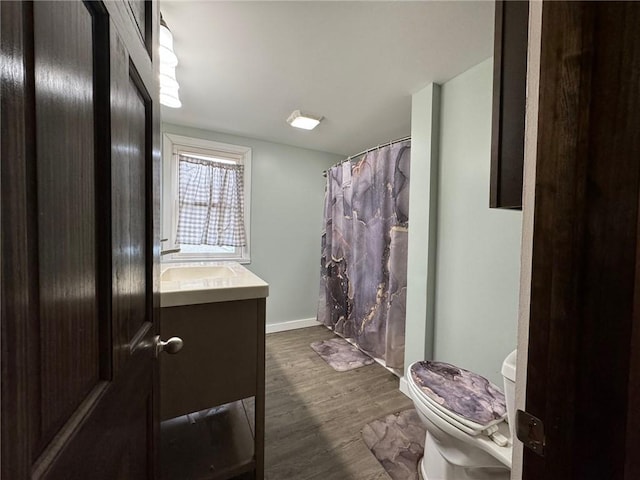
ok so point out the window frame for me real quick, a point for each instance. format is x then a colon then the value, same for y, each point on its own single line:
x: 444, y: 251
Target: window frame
x: 171, y: 145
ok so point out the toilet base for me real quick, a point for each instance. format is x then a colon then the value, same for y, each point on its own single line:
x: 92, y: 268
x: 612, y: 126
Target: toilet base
x: 420, y: 469
x: 433, y: 466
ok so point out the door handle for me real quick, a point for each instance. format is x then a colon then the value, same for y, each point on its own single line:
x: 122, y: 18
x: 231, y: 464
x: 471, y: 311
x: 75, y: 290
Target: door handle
x: 172, y: 346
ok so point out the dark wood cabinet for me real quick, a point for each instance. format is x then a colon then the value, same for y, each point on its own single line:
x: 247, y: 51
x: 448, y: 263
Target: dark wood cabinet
x: 509, y: 95
x: 212, y: 393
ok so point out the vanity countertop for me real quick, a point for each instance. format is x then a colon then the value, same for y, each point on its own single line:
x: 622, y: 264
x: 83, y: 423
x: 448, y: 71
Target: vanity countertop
x: 199, y: 282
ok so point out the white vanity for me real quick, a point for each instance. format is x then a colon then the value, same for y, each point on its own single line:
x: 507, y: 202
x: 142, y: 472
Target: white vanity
x: 212, y: 392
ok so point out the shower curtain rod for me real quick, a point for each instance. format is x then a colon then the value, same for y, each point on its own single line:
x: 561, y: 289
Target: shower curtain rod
x: 351, y: 157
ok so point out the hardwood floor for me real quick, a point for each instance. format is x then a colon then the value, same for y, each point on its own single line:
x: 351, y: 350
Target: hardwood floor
x: 314, y: 415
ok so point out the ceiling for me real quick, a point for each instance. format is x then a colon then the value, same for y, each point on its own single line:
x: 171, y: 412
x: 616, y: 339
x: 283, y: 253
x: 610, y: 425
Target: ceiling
x: 245, y: 66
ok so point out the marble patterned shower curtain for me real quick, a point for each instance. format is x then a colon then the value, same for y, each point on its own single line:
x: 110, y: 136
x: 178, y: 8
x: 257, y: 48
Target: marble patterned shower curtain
x: 364, y: 252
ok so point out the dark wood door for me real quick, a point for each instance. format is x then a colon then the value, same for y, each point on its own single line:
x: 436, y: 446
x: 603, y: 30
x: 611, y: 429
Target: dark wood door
x: 79, y: 257
x: 584, y: 338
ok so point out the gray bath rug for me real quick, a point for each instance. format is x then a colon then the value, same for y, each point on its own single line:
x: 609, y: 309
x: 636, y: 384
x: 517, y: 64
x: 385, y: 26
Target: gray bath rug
x: 397, y: 442
x: 340, y: 354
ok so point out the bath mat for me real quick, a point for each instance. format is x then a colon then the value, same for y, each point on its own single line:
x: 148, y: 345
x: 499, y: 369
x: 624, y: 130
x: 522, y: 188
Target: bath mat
x: 340, y: 354
x: 397, y: 442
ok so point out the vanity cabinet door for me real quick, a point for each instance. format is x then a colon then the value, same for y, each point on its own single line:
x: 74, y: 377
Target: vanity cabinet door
x: 218, y: 363
x: 509, y: 94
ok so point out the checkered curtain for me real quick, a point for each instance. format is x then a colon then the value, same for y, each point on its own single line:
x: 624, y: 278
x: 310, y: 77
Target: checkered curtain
x: 211, y: 201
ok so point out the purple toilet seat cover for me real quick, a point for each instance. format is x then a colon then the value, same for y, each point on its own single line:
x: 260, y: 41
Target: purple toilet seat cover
x: 460, y: 391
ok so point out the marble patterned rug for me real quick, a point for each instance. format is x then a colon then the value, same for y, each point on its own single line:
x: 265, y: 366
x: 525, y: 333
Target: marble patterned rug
x: 340, y: 354
x: 397, y: 442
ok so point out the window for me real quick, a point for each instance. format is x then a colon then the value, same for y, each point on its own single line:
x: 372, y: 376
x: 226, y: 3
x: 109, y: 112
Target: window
x: 205, y: 199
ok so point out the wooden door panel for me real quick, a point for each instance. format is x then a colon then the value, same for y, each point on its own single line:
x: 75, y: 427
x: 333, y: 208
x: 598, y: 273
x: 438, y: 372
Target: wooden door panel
x: 18, y: 321
x: 106, y: 444
x: 586, y: 243
x: 141, y: 12
x: 68, y: 348
x: 129, y: 135
x: 79, y: 149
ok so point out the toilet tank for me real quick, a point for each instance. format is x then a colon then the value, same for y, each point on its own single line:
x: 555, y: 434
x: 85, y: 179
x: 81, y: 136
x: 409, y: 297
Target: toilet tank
x: 509, y: 379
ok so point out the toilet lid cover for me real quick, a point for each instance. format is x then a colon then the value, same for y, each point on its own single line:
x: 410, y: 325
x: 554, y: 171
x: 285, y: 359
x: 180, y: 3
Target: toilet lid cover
x: 460, y: 391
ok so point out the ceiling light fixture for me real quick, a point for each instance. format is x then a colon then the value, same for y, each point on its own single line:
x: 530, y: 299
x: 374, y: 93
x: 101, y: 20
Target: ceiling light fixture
x: 303, y: 120
x: 168, y: 61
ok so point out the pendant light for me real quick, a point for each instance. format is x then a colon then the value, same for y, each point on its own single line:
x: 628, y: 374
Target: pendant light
x: 168, y: 61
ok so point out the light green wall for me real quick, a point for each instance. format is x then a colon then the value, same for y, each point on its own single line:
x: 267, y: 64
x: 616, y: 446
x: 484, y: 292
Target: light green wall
x: 287, y: 192
x: 478, y: 248
x: 425, y: 113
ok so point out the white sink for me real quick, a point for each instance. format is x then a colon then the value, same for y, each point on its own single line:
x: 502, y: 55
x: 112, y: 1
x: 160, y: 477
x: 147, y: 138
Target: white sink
x: 190, y: 273
x: 195, y: 283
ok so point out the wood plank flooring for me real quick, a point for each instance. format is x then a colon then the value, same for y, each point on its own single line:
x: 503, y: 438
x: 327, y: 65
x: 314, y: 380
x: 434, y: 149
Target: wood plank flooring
x: 314, y: 415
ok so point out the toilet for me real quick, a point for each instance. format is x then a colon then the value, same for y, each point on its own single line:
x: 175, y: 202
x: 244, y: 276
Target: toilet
x: 469, y: 420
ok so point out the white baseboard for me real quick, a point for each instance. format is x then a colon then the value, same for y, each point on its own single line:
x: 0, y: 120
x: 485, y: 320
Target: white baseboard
x: 291, y: 325
x: 404, y: 387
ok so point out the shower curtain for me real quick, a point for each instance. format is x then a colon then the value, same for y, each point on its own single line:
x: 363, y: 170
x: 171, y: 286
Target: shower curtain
x: 364, y: 252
